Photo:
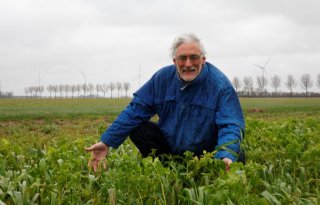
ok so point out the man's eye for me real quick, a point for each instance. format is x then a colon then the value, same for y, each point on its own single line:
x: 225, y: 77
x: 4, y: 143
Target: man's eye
x: 194, y: 57
x: 182, y: 58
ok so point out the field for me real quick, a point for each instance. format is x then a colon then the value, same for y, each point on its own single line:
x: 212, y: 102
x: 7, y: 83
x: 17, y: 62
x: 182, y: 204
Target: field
x: 42, y: 158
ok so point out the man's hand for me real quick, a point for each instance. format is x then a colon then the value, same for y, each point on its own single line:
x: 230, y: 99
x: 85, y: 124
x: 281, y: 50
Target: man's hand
x: 228, y: 162
x: 99, y: 152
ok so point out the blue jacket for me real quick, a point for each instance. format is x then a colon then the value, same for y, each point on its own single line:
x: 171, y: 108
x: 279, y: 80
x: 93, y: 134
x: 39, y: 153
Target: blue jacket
x: 199, y: 116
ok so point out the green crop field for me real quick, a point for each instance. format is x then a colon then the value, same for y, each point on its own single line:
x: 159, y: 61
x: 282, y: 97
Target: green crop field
x: 42, y: 157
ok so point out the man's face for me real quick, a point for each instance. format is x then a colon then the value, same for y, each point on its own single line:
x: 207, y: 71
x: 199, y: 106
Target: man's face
x: 189, y: 61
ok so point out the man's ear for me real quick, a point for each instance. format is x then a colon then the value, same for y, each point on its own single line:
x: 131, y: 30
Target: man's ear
x: 204, y: 60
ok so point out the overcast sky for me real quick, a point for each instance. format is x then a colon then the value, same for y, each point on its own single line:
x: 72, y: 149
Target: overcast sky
x: 110, y: 40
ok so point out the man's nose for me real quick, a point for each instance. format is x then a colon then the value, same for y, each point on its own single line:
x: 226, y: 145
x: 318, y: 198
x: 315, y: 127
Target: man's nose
x: 188, y: 63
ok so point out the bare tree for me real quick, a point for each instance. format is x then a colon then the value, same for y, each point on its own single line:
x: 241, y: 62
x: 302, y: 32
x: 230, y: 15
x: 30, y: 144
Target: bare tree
x: 105, y: 89
x: 248, y: 85
x: 291, y: 83
x: 275, y: 82
x: 41, y: 90
x: 306, y: 82
x: 73, y: 89
x: 318, y: 80
x: 236, y: 83
x: 126, y: 87
x: 36, y: 90
x: 4, y: 94
x: 98, y: 89
x: 119, y: 88
x: 67, y: 89
x: 112, y: 86
x: 90, y: 89
x: 26, y: 91
x: 78, y: 89
x: 262, y: 83
x: 49, y: 89
x: 61, y: 89
x: 31, y: 89
x: 85, y: 89
x: 55, y: 90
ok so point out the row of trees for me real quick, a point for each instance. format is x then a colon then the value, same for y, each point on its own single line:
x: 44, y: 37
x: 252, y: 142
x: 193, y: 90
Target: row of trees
x: 246, y: 87
x: 80, y: 90
x: 6, y: 94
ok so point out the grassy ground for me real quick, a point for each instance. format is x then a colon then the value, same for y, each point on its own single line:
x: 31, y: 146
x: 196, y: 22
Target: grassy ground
x: 59, y: 108
x: 72, y: 108
x: 282, y: 105
x: 42, y: 160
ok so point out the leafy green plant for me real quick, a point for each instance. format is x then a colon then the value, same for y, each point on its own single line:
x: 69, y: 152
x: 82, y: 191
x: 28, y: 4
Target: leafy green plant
x: 42, y: 160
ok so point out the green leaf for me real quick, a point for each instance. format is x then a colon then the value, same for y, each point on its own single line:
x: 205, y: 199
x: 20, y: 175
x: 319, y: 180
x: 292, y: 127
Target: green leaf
x: 270, y: 198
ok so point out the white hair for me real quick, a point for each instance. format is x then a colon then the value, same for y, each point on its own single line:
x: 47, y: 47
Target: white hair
x: 186, y: 38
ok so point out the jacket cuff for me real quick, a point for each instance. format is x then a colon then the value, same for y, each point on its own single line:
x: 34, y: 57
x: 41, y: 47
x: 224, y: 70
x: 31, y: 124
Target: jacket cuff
x: 107, y: 139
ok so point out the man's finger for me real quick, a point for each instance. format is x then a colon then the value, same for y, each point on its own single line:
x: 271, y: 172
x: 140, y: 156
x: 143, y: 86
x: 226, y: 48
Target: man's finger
x: 89, y: 149
x: 227, y: 162
x: 227, y: 167
x: 105, y: 165
x: 95, y: 165
x: 90, y: 162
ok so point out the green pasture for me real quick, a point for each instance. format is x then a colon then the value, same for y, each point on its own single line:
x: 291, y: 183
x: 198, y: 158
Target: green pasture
x: 72, y: 108
x: 282, y: 105
x: 59, y: 108
x: 42, y: 157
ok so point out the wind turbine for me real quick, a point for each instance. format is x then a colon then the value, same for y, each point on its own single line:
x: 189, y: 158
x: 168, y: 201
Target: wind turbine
x: 85, y: 83
x: 84, y: 76
x: 139, y: 76
x: 263, y: 68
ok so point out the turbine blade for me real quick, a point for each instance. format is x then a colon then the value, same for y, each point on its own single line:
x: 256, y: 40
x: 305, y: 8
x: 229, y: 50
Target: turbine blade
x: 259, y: 66
x: 267, y: 62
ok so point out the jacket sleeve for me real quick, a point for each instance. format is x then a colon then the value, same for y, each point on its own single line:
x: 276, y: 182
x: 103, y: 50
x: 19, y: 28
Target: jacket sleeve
x: 139, y: 110
x: 230, y: 125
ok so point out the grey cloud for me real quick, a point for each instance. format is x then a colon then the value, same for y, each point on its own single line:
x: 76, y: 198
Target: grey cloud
x: 102, y: 37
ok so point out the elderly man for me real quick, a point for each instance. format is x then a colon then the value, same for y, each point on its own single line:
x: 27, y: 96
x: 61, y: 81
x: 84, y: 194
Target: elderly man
x: 197, y: 106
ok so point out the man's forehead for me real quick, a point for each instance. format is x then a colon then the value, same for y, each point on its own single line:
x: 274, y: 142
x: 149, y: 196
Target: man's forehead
x: 189, y: 47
